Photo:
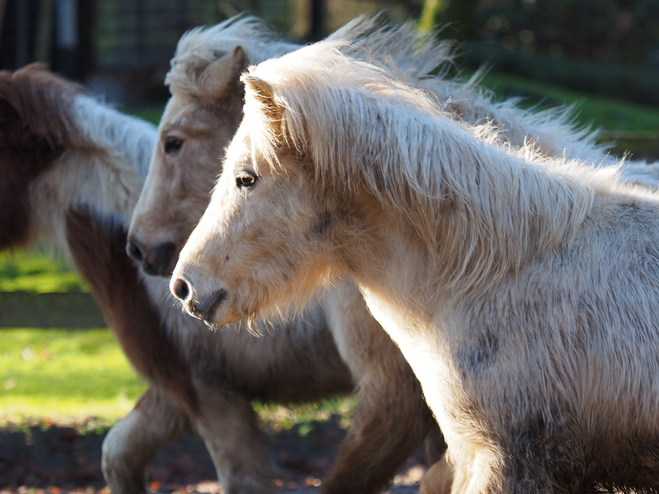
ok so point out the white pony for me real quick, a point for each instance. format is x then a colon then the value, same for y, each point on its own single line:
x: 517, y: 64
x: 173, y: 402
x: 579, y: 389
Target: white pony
x: 521, y: 289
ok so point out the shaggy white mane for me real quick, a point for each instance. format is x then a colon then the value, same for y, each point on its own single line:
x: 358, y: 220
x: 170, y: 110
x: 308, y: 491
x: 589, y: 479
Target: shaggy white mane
x: 363, y: 128
x: 400, y: 49
x: 203, y: 45
x: 129, y: 139
x: 424, y: 61
x: 418, y: 59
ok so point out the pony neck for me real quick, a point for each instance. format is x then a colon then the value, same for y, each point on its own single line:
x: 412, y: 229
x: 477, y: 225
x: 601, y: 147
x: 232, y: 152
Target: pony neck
x: 130, y: 140
x: 471, y: 212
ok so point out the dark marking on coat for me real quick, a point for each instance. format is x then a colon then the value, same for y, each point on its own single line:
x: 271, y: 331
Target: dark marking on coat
x: 322, y: 224
x: 480, y: 355
x: 543, y: 460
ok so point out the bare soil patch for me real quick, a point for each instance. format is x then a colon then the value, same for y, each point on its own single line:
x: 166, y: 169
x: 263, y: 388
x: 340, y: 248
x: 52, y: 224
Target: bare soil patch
x: 55, y: 459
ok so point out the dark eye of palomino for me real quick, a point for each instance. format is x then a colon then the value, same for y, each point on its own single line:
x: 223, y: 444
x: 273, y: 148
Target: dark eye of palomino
x: 246, y: 179
x: 172, y: 144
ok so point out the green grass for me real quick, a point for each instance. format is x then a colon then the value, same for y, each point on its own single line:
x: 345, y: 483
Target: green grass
x: 64, y: 376
x: 39, y: 273
x: 604, y: 113
x: 303, y: 417
x: 150, y: 114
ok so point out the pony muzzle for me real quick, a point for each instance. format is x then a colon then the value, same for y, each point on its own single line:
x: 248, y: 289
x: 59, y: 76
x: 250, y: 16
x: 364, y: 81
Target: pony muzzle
x: 200, y: 307
x: 156, y: 260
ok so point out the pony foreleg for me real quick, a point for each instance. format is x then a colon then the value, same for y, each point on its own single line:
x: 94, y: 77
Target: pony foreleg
x: 386, y: 429
x: 132, y: 443
x: 229, y: 426
x: 441, y: 479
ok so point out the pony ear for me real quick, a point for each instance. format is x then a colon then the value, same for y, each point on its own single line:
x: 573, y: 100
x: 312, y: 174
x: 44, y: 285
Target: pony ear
x: 264, y: 94
x: 218, y: 76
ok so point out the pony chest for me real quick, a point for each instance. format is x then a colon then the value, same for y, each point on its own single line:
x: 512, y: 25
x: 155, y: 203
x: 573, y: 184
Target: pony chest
x: 422, y: 345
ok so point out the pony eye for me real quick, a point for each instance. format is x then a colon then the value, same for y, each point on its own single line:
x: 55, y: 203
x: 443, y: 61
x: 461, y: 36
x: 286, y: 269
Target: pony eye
x: 245, y: 179
x: 172, y: 144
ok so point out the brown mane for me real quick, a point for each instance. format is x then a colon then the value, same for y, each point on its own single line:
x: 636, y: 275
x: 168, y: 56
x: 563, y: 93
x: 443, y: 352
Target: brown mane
x: 36, y: 125
x: 37, y: 103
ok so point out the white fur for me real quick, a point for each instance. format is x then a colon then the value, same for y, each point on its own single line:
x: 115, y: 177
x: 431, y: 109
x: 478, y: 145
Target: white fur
x: 202, y: 46
x: 521, y: 288
x: 106, y: 175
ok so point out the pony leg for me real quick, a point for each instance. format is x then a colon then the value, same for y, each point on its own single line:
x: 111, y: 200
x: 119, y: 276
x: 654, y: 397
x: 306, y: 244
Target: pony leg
x: 435, y: 446
x: 131, y: 444
x: 229, y: 427
x: 385, y: 431
x: 391, y: 418
x: 440, y: 479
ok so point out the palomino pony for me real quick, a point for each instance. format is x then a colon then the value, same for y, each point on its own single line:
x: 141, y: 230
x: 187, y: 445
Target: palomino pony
x: 521, y: 289
x: 72, y: 171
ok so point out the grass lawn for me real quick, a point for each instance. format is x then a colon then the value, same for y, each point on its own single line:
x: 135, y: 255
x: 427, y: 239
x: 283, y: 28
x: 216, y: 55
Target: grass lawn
x: 64, y: 376
x: 37, y: 272
x: 61, y: 376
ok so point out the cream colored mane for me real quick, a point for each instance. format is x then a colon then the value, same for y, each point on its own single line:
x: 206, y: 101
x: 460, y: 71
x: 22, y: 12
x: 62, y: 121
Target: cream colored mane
x: 130, y: 140
x: 203, y: 45
x: 362, y: 128
x: 417, y: 59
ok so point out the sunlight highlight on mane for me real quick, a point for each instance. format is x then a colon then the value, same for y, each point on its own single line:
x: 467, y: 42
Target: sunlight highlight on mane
x: 129, y: 139
x: 419, y: 59
x: 362, y: 128
x: 202, y: 45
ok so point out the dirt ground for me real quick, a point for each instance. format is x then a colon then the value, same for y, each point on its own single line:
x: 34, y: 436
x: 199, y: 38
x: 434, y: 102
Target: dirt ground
x: 62, y: 460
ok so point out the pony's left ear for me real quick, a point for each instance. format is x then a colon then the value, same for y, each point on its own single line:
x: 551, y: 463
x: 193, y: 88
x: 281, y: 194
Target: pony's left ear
x: 264, y: 94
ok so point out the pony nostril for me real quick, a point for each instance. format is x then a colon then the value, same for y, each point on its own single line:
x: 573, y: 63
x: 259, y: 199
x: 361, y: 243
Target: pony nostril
x: 134, y: 251
x: 180, y: 289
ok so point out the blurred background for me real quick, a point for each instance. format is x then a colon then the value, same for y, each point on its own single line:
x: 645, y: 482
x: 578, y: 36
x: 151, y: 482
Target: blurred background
x: 60, y: 387
x: 604, y: 47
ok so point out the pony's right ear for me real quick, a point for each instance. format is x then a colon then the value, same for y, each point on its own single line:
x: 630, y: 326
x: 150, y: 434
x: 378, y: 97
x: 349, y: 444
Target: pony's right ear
x: 221, y: 74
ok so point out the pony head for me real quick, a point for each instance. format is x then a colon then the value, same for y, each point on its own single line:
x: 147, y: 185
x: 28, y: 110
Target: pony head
x: 270, y: 233
x: 199, y: 121
x: 205, y: 110
x: 34, y: 131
